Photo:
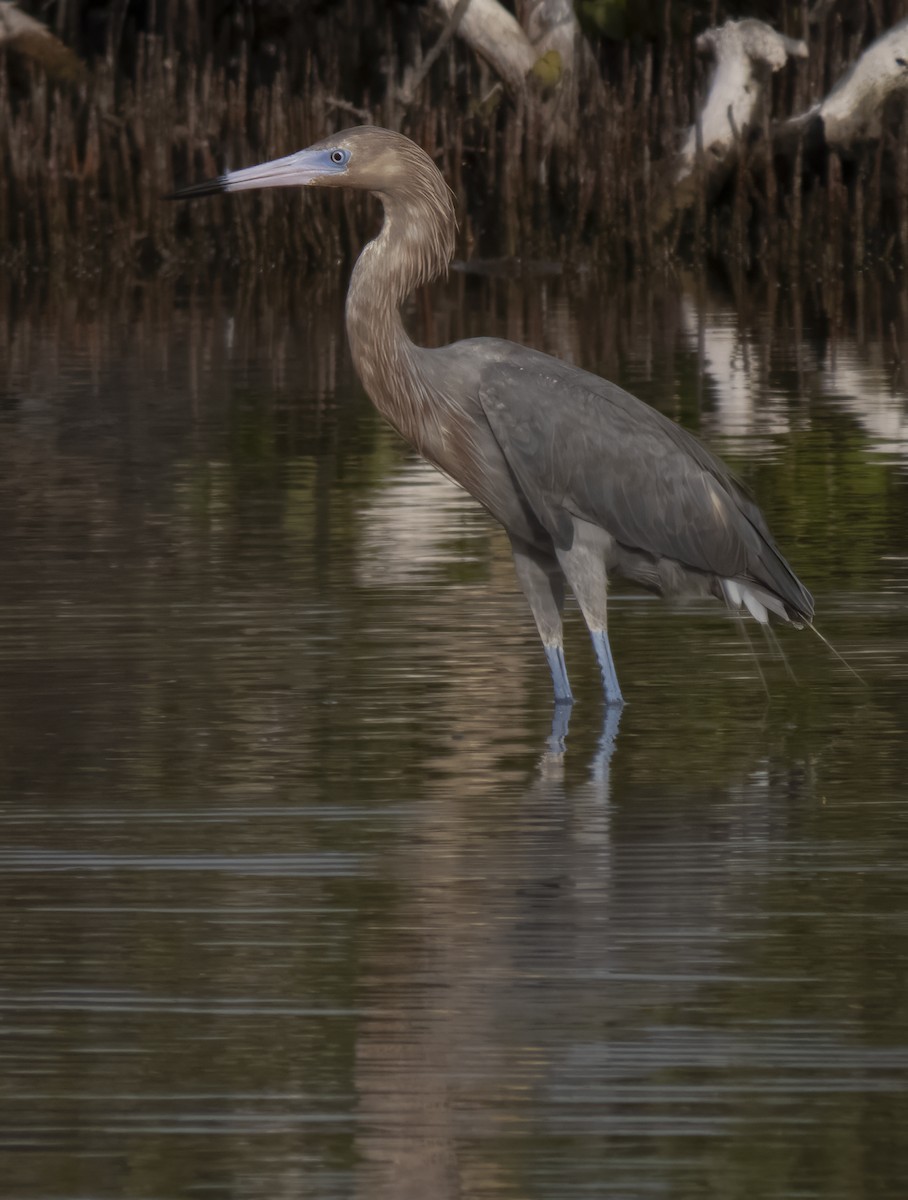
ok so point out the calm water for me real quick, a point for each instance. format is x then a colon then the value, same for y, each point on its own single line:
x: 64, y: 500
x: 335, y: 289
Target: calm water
x: 298, y: 896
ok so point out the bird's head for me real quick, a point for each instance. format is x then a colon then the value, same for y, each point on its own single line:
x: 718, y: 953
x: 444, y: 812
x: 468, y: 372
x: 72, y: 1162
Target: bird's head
x: 375, y: 160
x: 365, y: 156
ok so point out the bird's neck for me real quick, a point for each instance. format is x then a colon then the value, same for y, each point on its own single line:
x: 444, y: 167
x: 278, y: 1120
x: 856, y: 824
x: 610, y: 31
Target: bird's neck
x: 414, y: 246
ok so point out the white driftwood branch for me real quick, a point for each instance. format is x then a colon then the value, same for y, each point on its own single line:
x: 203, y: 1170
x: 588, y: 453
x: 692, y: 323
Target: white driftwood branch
x: 32, y: 38
x: 542, y: 58
x: 552, y: 26
x: 747, y: 53
x: 546, y: 43
x: 497, y: 37
x: 413, y: 77
x: 853, y: 110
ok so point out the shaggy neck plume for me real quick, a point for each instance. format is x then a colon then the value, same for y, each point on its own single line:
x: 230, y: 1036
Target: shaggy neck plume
x: 414, y: 246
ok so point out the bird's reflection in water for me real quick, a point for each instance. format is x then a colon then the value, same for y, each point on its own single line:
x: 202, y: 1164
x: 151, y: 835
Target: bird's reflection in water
x: 552, y: 761
x: 494, y: 917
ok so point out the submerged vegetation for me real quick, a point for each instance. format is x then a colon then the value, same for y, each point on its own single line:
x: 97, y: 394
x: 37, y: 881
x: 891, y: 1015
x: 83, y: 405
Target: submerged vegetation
x: 178, y: 91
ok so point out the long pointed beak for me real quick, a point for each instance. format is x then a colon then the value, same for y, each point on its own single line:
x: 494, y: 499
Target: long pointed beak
x: 296, y: 170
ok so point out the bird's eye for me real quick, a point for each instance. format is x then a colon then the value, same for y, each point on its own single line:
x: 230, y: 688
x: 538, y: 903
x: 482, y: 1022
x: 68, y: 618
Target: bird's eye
x: 338, y: 156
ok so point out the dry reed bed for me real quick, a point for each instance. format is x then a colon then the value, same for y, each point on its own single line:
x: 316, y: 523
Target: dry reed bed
x: 84, y: 169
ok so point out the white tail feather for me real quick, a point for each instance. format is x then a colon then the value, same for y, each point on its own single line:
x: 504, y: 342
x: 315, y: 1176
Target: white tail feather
x: 758, y: 601
x: 754, y: 607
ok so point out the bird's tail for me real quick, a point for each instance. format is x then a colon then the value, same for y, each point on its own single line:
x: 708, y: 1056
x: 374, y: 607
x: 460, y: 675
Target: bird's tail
x: 760, y: 602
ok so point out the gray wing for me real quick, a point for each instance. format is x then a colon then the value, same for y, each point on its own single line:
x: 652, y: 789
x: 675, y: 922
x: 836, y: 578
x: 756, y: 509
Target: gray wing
x: 581, y: 447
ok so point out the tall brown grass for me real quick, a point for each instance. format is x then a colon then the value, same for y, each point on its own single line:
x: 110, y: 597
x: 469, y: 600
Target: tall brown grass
x: 84, y: 167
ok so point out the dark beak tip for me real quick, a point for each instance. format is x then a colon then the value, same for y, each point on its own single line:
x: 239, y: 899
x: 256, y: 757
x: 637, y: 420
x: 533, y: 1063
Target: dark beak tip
x: 211, y: 187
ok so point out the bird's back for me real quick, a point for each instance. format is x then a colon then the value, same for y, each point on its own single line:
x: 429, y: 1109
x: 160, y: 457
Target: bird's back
x: 578, y: 447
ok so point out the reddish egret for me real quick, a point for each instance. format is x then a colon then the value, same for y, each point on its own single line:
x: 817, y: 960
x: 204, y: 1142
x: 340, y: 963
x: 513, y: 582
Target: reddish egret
x: 586, y: 479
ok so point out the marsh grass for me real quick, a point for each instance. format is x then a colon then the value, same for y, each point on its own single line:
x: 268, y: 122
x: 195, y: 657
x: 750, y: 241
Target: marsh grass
x: 85, y: 167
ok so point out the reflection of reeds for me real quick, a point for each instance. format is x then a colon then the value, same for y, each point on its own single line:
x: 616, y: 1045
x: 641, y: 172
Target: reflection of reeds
x: 84, y: 168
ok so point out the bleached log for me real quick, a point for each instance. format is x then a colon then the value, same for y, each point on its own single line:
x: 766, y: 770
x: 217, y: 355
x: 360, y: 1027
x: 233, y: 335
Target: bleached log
x: 30, y: 37
x: 853, y: 110
x: 852, y: 113
x: 496, y: 36
x: 552, y: 28
x: 544, y: 47
x: 747, y: 53
x: 542, y: 59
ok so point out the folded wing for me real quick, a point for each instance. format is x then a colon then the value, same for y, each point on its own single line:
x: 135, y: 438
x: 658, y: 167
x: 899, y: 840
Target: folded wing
x: 579, y: 446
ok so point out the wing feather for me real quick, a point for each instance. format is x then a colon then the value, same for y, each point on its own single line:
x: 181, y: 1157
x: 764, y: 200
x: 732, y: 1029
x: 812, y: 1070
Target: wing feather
x: 579, y: 446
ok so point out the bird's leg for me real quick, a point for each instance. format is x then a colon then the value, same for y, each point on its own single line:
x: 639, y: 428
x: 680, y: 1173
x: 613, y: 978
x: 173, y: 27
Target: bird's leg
x: 555, y: 657
x: 584, y: 566
x: 542, y: 583
x: 606, y: 666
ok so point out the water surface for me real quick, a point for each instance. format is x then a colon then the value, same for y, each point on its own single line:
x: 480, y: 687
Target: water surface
x: 299, y: 897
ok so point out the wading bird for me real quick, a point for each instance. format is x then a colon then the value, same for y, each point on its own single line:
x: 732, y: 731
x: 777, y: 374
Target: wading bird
x: 586, y: 479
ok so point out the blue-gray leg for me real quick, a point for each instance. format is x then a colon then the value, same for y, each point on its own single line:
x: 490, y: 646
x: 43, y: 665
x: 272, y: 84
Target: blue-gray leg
x: 584, y: 566
x: 607, y: 666
x: 555, y: 656
x: 540, y: 577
